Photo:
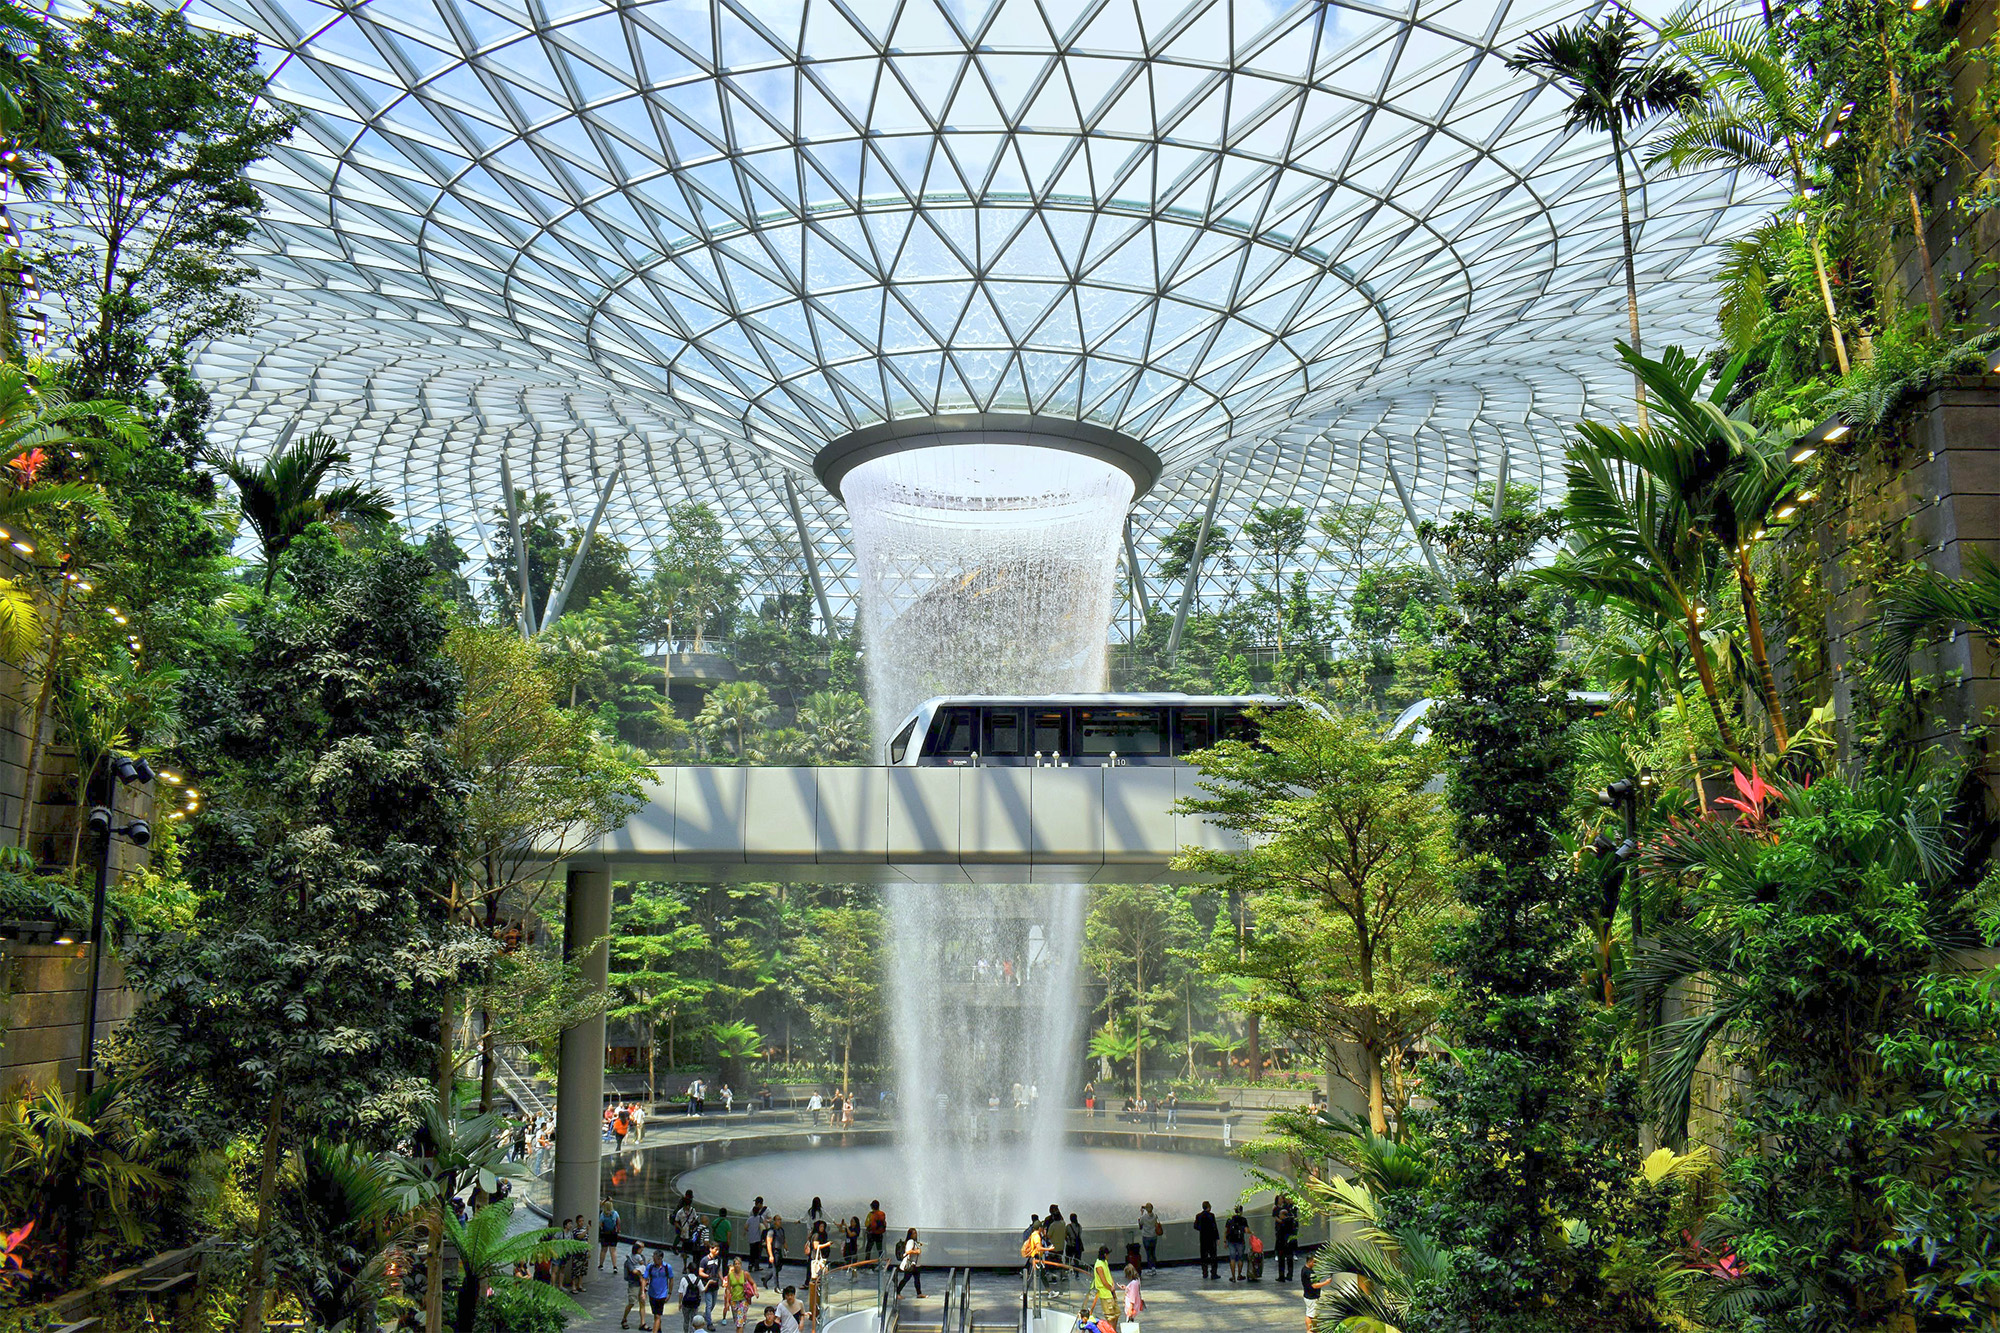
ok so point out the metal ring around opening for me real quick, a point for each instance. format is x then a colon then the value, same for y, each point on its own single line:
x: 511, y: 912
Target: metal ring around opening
x: 833, y: 462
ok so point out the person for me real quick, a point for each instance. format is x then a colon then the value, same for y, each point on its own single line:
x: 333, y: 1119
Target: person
x: 686, y: 1219
x: 1206, y: 1232
x: 728, y: 1099
x: 769, y: 1323
x: 638, y: 1119
x: 1090, y: 1099
x: 760, y: 1217
x: 1153, y: 1115
x: 737, y: 1289
x: 579, y: 1263
x: 1101, y: 1294
x: 1034, y: 1248
x: 1056, y: 1233
x: 774, y: 1247
x: 847, y: 1113
x: 791, y: 1311
x: 700, y: 1096
x: 621, y: 1125
x: 815, y: 1212
x: 1285, y: 1231
x: 910, y: 1262
x: 1149, y: 1236
x: 711, y: 1282
x: 815, y: 1106
x: 1173, y: 1108
x: 1074, y: 1251
x: 1134, y: 1302
x: 819, y: 1246
x: 721, y: 1230
x: 607, y: 1232
x: 634, y: 1269
x: 1311, y: 1289
x: 690, y: 1298
x: 878, y: 1230
x: 659, y: 1286
x: 1236, y: 1230
x: 850, y: 1240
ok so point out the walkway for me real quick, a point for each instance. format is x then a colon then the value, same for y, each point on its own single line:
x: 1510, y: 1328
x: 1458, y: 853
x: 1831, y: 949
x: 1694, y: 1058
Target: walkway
x: 1177, y: 1301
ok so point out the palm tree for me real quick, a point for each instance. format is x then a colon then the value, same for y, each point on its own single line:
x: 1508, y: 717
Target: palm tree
x: 341, y: 1222
x: 1760, y: 115
x: 460, y: 1152
x: 738, y: 708
x: 1637, y: 542
x: 69, y: 1163
x: 281, y: 496
x: 1614, y: 82
x: 488, y: 1251
x: 1925, y: 602
x: 1730, y: 478
x: 835, y: 723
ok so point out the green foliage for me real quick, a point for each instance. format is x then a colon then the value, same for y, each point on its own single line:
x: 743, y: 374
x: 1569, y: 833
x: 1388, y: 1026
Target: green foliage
x: 83, y: 1170
x: 159, y: 178
x: 516, y: 1308
x: 337, y: 1221
x: 1136, y: 940
x: 1820, y: 925
x: 1518, y: 1132
x: 1343, y: 874
x: 837, y: 964
x: 333, y: 809
x: 488, y: 1248
x: 287, y: 493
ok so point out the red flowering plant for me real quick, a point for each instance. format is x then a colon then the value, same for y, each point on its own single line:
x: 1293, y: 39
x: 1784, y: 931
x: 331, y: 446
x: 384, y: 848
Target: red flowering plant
x: 13, y: 1245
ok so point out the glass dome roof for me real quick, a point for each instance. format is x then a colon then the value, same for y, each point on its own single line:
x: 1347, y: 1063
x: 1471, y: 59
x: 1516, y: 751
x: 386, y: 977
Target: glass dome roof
x: 1298, y: 242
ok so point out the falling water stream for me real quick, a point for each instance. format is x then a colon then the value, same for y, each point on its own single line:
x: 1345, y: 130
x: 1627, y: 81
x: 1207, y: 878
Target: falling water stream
x: 985, y: 569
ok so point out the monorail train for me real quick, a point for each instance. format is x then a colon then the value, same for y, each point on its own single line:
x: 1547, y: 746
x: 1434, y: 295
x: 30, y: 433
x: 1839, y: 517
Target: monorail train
x: 1083, y: 730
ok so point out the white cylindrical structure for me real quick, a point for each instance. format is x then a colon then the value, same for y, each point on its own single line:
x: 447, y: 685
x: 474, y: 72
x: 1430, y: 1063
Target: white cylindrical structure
x: 984, y: 569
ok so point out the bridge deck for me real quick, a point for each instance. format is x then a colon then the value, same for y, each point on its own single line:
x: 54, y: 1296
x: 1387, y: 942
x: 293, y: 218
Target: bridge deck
x: 930, y: 825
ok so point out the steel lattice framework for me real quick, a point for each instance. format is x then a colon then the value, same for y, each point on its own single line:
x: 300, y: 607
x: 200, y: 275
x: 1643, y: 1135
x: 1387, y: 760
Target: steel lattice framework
x: 1307, y: 244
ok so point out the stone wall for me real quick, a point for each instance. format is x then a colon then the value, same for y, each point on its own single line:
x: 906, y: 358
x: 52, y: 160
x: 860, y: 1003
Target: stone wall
x: 42, y: 995
x: 1935, y: 498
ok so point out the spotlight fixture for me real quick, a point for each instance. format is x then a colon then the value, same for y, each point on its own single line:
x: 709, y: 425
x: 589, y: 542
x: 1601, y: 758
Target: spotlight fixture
x: 1619, y: 791
x: 1831, y: 431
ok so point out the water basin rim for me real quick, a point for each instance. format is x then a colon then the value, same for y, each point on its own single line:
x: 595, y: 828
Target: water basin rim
x: 839, y: 457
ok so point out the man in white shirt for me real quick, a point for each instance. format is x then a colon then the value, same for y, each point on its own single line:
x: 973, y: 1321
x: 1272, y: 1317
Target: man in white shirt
x: 814, y: 1105
x: 638, y: 1119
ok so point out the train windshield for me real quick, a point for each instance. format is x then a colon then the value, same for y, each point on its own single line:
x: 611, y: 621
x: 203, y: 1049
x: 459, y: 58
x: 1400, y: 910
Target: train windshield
x: 901, y: 745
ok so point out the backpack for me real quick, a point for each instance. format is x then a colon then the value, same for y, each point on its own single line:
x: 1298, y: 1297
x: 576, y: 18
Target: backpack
x: 690, y: 1290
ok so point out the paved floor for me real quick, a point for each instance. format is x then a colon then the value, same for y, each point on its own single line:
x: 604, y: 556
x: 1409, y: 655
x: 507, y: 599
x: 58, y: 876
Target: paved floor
x: 1177, y: 1301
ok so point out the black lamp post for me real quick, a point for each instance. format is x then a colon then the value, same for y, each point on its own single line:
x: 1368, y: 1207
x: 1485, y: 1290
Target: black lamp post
x: 132, y: 773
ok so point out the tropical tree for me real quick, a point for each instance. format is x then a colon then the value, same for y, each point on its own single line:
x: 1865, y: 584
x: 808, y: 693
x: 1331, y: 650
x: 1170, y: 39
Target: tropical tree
x: 654, y: 941
x: 37, y: 97
x: 735, y: 709
x: 73, y: 1168
x: 1637, y: 541
x: 1343, y: 860
x: 835, y: 727
x: 447, y: 1155
x: 837, y: 966
x: 158, y: 177
x: 696, y: 583
x: 488, y: 1249
x: 282, y: 495
x: 736, y: 1042
x: 1275, y: 533
x: 332, y: 813
x: 1136, y: 939
x: 1615, y: 80
x: 337, y: 1223
x: 1760, y: 113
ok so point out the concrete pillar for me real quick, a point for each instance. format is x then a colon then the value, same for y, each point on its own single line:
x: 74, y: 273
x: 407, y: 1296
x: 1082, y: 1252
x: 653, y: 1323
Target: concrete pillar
x: 580, y: 1056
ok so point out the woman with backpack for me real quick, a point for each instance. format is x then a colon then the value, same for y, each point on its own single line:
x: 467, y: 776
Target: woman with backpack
x: 910, y: 1262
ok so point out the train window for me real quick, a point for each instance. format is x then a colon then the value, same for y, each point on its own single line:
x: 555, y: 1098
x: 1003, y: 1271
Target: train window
x: 1047, y: 733
x: 1003, y: 733
x: 1232, y: 725
x: 1120, y: 731
x: 955, y: 733
x: 901, y: 745
x: 1194, y: 729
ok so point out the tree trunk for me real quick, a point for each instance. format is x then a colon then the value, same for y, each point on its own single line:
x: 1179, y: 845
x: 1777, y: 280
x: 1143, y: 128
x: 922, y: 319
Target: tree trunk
x: 83, y: 782
x: 251, y: 1319
x: 1746, y: 581
x: 39, y: 722
x: 1631, y: 267
x: 1253, y: 1029
x: 652, y: 1062
x: 1930, y: 276
x: 1378, y: 1110
x: 1138, y: 1024
x: 846, y: 1060
x: 468, y: 1302
x: 1699, y: 650
x: 447, y: 1076
x: 488, y: 1064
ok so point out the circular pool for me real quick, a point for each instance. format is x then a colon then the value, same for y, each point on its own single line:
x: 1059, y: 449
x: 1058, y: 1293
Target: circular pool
x: 1105, y: 1178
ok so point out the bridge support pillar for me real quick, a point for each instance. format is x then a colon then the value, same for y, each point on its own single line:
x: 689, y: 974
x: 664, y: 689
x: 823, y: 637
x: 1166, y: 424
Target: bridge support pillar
x: 580, y: 1054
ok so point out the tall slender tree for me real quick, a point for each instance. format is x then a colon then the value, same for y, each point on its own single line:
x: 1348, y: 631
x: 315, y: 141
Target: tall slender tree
x: 282, y: 496
x: 1616, y: 78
